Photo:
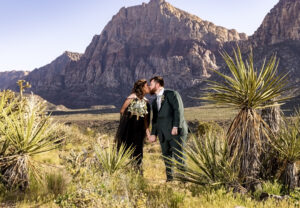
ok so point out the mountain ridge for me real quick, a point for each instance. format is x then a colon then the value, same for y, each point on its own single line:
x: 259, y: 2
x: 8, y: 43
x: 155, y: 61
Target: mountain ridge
x: 156, y: 38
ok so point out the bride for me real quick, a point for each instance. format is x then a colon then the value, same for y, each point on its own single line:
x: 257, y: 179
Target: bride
x: 134, y: 121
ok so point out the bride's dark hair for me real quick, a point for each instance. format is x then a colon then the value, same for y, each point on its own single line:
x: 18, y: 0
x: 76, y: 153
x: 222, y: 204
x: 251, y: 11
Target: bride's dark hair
x: 138, y: 88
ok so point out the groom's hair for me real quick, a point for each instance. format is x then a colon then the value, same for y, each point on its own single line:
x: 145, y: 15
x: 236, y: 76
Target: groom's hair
x: 159, y: 80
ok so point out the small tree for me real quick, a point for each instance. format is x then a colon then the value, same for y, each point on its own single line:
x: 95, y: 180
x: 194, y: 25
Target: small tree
x: 248, y: 89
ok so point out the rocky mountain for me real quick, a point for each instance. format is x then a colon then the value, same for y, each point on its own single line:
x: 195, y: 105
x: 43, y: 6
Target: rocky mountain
x: 280, y: 24
x: 49, y: 80
x: 279, y: 34
x: 139, y: 42
x: 156, y: 38
x: 8, y: 78
x: 288, y: 53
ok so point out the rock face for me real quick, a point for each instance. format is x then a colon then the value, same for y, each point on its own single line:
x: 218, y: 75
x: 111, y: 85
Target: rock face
x: 139, y: 42
x: 159, y: 39
x: 8, y: 78
x: 49, y: 80
x: 280, y: 24
x: 280, y: 33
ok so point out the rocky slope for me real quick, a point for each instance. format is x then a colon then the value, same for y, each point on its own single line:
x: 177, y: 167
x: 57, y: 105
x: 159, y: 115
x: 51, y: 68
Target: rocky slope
x: 280, y: 24
x: 279, y: 34
x: 139, y: 42
x: 49, y: 80
x: 9, y: 78
x: 159, y: 39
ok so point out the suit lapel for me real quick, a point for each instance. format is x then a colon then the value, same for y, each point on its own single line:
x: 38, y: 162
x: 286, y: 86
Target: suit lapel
x: 155, y: 104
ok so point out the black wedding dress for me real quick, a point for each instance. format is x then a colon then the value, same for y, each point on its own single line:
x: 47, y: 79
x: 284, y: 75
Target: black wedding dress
x: 132, y: 132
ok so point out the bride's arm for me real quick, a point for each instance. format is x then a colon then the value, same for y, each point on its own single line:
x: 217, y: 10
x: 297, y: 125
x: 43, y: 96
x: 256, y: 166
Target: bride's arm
x: 127, y: 102
x: 125, y: 105
x: 147, y: 121
x: 148, y: 133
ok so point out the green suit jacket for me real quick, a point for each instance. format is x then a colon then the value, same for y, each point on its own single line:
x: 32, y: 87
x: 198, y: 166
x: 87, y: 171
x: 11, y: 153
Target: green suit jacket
x: 171, y: 114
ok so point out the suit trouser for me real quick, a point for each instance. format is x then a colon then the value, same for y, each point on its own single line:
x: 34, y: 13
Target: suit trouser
x: 172, y: 148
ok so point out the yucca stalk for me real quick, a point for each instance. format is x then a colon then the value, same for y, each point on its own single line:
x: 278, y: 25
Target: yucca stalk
x: 273, y: 116
x: 112, y: 159
x: 207, y: 162
x: 248, y: 89
x: 26, y: 133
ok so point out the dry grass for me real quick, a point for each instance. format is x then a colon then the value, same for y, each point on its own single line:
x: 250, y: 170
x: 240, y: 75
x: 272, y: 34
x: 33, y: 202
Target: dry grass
x: 201, y: 113
x: 156, y: 193
x: 87, y: 117
x: 209, y: 113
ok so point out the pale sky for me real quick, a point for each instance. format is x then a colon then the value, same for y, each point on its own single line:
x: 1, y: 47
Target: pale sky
x: 35, y: 32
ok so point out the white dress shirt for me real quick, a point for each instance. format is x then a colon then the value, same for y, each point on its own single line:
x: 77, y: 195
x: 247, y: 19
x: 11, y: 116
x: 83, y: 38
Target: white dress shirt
x: 158, y: 100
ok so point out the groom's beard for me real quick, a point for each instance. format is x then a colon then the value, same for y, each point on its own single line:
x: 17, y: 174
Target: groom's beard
x: 152, y: 92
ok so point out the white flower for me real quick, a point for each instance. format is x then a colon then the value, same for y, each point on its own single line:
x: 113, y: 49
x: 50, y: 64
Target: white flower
x: 138, y: 107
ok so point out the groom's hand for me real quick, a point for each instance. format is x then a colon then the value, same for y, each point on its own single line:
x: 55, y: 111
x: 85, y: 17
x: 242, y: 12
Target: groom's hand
x: 152, y: 138
x: 174, y: 131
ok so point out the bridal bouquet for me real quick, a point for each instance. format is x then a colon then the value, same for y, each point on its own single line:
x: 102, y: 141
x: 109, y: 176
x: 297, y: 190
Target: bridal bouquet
x: 138, y: 107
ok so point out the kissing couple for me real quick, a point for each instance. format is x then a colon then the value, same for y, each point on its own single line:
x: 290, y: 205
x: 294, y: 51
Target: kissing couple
x: 168, y: 123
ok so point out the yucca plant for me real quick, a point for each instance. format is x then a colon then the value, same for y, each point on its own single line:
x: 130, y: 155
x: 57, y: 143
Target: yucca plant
x: 207, y: 162
x: 7, y: 104
x: 7, y: 101
x: 112, y: 159
x: 25, y: 133
x: 287, y: 144
x: 248, y: 89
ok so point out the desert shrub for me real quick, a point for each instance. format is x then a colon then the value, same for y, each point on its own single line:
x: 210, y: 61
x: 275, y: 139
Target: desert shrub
x: 287, y: 144
x: 122, y: 189
x: 164, y: 196
x: 56, y: 182
x: 248, y: 89
x: 207, y: 162
x: 208, y: 127
x: 111, y: 159
x: 25, y: 131
x: 269, y: 187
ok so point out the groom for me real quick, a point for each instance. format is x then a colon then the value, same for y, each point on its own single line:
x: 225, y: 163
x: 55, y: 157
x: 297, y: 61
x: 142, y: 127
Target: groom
x: 168, y: 122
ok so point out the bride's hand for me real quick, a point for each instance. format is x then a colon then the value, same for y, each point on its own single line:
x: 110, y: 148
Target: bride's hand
x: 148, y: 138
x: 148, y: 134
x: 152, y: 138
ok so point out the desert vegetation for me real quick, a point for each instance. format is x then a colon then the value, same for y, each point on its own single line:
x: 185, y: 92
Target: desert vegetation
x: 245, y: 161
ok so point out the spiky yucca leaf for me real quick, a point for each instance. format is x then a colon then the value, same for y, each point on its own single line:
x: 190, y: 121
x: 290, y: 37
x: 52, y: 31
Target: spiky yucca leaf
x: 7, y: 102
x: 26, y: 132
x: 112, y: 159
x: 206, y: 162
x: 287, y: 144
x: 30, y: 132
x: 248, y: 89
